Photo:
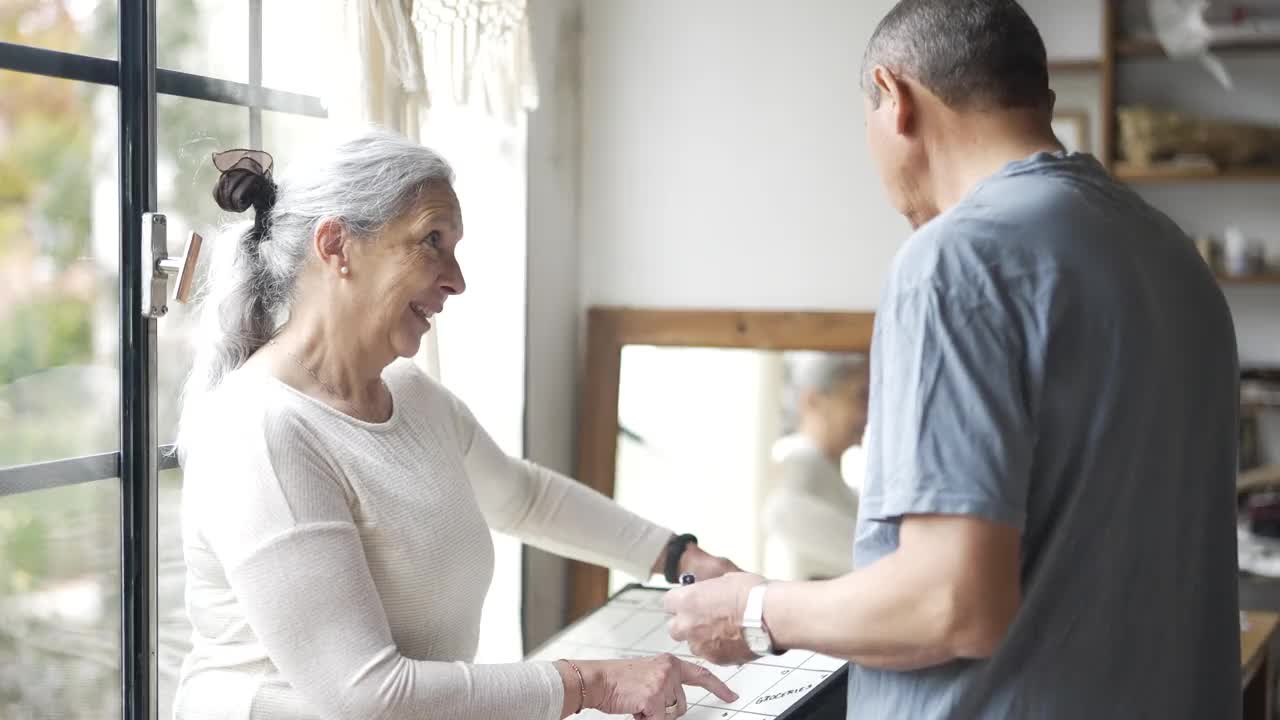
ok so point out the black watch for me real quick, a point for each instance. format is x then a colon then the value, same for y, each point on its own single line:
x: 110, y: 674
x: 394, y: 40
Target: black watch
x: 675, y: 548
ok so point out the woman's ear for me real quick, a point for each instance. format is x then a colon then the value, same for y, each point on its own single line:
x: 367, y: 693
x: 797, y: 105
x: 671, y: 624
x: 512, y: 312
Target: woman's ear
x: 330, y: 245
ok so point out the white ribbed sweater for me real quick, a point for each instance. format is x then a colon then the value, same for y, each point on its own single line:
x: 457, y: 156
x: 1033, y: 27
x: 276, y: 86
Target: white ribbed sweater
x: 337, y: 568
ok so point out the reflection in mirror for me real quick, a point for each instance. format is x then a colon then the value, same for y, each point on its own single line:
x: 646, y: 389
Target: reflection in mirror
x: 756, y: 452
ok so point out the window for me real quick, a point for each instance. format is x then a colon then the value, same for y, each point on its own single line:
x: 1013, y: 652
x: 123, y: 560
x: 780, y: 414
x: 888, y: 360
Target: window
x: 97, y: 127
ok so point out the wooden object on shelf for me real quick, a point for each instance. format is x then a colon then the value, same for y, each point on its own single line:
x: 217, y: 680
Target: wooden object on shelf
x: 1149, y: 136
x: 1257, y: 676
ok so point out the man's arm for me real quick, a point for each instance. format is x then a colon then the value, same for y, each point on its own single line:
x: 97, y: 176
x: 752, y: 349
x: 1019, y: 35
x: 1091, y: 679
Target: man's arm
x: 951, y: 590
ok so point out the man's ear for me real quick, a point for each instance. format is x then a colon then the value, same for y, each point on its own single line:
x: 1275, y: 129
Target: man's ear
x: 898, y: 95
x: 330, y: 243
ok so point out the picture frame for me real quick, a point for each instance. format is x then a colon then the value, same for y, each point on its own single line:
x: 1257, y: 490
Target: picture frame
x: 1072, y: 129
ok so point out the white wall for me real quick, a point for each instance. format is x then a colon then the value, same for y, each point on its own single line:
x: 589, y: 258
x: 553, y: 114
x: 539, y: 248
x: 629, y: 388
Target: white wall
x: 724, y: 161
x: 551, y: 368
x: 723, y: 156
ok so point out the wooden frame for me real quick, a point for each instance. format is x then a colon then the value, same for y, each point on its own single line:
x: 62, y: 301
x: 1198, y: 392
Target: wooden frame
x: 610, y: 329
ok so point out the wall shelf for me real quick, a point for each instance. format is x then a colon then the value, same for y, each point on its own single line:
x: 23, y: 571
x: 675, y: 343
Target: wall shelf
x: 1183, y: 173
x: 1269, y: 279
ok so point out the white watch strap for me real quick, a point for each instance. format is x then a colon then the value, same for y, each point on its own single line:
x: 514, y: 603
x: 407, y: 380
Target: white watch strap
x: 753, y: 616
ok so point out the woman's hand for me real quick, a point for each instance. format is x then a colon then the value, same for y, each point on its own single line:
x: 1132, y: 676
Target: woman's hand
x: 698, y: 562
x: 648, y: 688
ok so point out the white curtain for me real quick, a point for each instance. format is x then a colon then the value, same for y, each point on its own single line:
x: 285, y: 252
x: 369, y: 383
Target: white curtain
x: 456, y: 75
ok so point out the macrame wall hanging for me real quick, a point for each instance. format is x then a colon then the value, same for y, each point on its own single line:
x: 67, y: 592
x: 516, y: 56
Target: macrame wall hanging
x: 467, y: 53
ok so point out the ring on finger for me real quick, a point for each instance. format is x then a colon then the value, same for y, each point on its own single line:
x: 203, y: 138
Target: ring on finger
x: 672, y: 707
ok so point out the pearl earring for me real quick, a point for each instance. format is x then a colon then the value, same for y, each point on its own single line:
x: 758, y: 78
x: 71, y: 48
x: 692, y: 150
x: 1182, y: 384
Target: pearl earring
x: 344, y: 270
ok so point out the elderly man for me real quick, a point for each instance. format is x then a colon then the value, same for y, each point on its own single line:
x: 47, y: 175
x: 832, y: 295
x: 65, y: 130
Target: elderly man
x: 1047, y: 525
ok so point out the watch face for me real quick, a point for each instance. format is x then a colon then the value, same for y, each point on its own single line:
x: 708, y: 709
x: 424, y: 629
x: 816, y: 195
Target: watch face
x: 758, y: 640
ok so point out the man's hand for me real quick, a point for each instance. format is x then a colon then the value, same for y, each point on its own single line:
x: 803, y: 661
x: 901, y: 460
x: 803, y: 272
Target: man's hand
x: 708, y: 615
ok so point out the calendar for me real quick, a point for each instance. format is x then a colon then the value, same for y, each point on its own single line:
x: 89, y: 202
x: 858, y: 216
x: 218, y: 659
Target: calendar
x: 633, y: 624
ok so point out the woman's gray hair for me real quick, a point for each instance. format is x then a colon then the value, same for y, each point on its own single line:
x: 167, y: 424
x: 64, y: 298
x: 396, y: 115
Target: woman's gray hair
x: 365, y: 183
x: 816, y: 371
x: 821, y: 371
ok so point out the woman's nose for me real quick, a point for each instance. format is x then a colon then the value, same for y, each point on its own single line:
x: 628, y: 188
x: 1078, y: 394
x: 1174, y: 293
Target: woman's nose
x: 452, y: 282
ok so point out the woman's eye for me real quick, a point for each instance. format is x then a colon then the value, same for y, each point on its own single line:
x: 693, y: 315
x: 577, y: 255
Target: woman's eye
x: 433, y: 238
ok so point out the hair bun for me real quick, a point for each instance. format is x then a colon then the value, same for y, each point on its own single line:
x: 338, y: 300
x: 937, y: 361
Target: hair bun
x: 239, y: 189
x: 245, y: 181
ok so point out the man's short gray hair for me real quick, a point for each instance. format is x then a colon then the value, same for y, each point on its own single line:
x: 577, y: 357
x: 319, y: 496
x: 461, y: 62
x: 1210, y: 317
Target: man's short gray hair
x: 976, y: 55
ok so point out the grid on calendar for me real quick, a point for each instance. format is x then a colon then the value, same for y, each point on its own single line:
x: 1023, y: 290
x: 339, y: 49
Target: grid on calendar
x: 633, y: 624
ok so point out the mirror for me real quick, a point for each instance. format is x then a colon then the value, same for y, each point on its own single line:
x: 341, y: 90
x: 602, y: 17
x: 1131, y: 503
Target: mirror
x: 755, y: 451
x: 742, y: 427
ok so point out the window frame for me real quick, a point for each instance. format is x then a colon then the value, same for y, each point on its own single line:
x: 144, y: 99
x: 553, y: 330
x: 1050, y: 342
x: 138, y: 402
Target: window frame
x: 140, y: 458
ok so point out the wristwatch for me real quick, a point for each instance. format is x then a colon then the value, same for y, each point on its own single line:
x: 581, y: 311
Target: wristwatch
x: 756, y: 633
x: 675, y: 549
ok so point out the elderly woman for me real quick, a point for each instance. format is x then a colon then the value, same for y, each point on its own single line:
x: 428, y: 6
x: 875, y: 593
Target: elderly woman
x: 337, y: 501
x: 810, y: 515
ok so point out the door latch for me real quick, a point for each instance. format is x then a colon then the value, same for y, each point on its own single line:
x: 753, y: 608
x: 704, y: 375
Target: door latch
x: 160, y: 267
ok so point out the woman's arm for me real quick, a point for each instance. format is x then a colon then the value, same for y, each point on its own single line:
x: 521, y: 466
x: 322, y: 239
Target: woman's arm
x: 558, y: 514
x: 311, y: 601
x: 563, y: 516
x: 280, y: 525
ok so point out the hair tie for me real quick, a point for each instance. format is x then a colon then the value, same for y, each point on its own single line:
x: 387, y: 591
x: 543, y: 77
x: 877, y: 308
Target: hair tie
x: 246, y: 182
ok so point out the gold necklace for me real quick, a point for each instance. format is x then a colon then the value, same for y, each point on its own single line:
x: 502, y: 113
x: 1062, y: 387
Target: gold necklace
x: 328, y: 388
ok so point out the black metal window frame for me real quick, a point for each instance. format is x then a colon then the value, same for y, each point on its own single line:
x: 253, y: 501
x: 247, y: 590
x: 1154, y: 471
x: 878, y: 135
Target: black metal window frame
x: 139, y: 458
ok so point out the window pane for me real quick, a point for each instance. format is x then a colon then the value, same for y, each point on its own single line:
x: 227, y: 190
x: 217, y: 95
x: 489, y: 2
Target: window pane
x: 204, y: 37
x: 189, y: 132
x: 59, y: 254
x: 84, y: 27
x: 298, y: 47
x: 289, y: 137
x: 60, y: 603
x: 175, y: 628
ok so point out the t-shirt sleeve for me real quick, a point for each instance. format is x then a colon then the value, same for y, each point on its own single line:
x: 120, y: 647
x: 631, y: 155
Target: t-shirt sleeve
x: 953, y: 433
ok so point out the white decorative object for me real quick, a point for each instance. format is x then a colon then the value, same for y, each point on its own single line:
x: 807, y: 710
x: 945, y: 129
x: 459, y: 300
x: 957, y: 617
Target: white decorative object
x: 1236, y: 252
x: 1181, y: 28
x: 479, y: 53
x: 404, y: 56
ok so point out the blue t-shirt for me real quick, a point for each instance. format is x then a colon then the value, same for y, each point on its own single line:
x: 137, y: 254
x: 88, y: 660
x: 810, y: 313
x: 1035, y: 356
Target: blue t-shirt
x: 1053, y: 355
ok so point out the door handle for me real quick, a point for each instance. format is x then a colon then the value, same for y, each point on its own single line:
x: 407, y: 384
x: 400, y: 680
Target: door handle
x: 161, y: 267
